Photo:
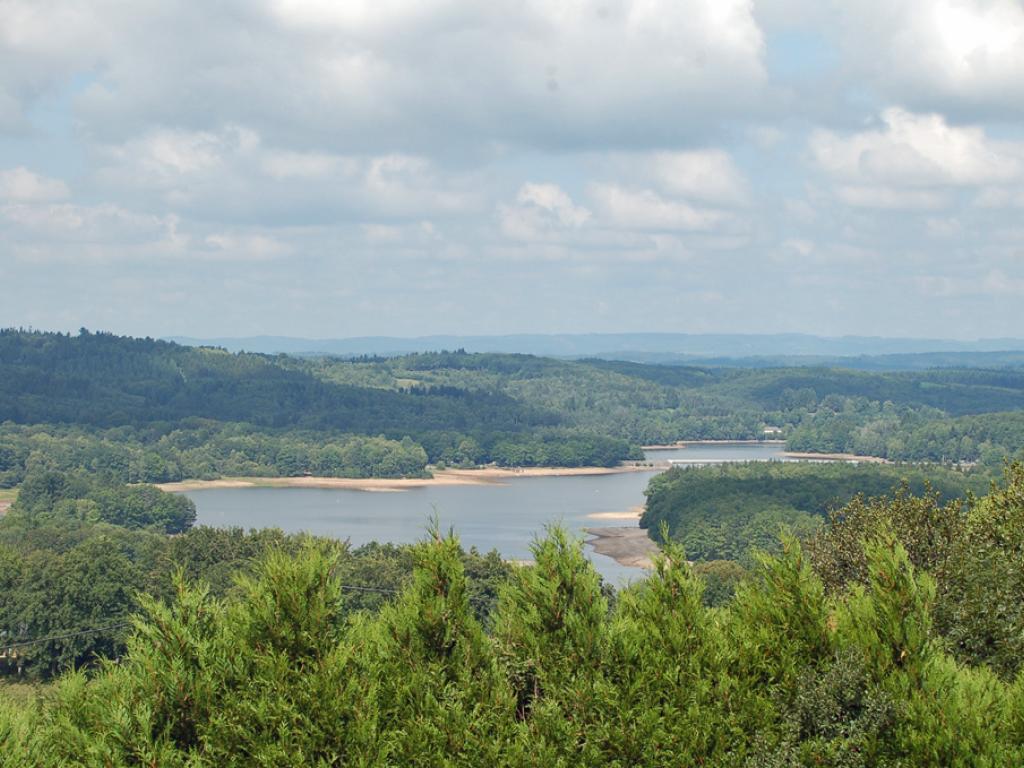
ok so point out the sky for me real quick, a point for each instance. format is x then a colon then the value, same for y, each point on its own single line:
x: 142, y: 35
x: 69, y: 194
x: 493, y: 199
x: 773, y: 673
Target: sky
x: 333, y: 168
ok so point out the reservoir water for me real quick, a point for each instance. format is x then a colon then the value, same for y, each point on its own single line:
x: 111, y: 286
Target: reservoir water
x: 505, y: 516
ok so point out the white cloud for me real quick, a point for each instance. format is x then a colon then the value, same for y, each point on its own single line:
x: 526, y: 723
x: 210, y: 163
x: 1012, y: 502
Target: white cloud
x: 83, y: 223
x: 20, y: 185
x: 306, y: 165
x: 232, y: 169
x: 994, y: 283
x: 377, y: 77
x: 918, y: 150
x: 542, y: 211
x: 82, y: 234
x: 417, y: 234
x: 913, y: 161
x: 240, y: 246
x: 167, y: 156
x: 879, y: 196
x: 708, y: 175
x: 411, y: 185
x: 1001, y: 197
x: 551, y: 198
x: 939, y: 53
x: 799, y: 246
x: 645, y: 209
x: 274, y: 131
x: 943, y: 228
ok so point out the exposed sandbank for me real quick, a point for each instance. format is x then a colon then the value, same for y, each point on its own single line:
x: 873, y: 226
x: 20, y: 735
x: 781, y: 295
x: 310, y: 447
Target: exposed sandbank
x: 629, y: 546
x: 850, y: 457
x: 629, y: 514
x: 799, y: 455
x: 687, y: 443
x: 485, y: 476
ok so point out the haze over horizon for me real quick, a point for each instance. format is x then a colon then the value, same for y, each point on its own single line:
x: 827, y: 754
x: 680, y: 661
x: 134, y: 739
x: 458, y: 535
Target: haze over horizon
x: 329, y: 170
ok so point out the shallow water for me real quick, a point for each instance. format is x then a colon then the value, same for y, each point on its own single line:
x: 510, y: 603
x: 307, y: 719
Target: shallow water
x: 506, y: 517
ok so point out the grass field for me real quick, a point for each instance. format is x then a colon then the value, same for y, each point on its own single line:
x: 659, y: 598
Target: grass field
x: 7, y: 497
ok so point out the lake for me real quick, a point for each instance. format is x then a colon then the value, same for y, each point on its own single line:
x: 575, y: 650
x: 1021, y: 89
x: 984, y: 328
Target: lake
x: 504, y: 516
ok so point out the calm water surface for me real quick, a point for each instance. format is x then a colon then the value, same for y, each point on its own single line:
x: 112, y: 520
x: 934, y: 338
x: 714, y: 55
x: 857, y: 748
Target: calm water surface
x: 505, y: 517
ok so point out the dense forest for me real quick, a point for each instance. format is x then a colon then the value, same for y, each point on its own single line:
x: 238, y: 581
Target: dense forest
x: 724, y: 512
x: 76, y: 553
x: 145, y: 410
x: 951, y: 415
x: 892, y: 638
x: 139, y: 410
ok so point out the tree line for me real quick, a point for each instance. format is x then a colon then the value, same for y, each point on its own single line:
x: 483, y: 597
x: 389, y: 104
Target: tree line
x: 202, y: 412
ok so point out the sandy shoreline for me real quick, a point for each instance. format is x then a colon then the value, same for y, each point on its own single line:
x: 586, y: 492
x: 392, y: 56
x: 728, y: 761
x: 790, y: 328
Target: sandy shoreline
x: 486, y: 476
x: 851, y: 457
x: 800, y: 455
x: 630, y: 514
x: 687, y: 443
x: 629, y: 546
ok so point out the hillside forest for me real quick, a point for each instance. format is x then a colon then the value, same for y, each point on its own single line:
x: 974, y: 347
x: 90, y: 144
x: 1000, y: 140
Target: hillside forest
x: 140, y: 410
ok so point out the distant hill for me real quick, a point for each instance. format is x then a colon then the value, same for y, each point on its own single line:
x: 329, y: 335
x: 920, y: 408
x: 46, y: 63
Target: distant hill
x: 517, y: 409
x: 671, y: 348
x: 919, y: 361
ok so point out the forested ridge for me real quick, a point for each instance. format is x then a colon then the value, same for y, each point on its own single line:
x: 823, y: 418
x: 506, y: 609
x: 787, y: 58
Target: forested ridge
x: 153, y: 411
x: 952, y: 415
x: 890, y: 638
x: 145, y: 410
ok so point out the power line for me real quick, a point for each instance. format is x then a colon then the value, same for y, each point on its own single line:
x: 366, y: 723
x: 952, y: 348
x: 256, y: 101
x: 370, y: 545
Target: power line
x: 67, y: 636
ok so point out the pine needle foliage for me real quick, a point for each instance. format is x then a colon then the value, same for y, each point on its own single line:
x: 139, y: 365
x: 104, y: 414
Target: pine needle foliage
x: 280, y: 672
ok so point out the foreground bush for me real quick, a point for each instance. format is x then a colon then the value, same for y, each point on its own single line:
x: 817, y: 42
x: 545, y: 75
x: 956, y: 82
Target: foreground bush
x: 280, y: 673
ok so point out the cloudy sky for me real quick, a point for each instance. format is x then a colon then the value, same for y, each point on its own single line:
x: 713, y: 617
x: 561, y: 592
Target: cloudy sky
x: 334, y: 168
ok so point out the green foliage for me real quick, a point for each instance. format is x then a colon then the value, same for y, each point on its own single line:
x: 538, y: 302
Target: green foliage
x: 722, y: 512
x: 721, y: 578
x: 144, y: 410
x: 982, y: 610
x: 927, y: 529
x: 61, y: 574
x: 204, y: 450
x: 912, y: 435
x: 156, y: 411
x: 972, y: 551
x: 279, y: 672
x: 54, y: 496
